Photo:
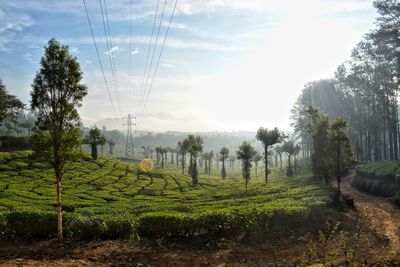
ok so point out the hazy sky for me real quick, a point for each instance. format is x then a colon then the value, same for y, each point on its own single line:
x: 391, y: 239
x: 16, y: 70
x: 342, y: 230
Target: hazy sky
x: 227, y: 64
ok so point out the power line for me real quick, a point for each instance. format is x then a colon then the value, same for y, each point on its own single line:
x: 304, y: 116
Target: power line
x: 98, y: 56
x: 130, y: 52
x: 159, y: 56
x: 147, y: 60
x: 110, y: 59
x: 112, y: 53
x: 154, y: 51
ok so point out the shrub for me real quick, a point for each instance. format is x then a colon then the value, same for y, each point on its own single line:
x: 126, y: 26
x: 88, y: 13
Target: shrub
x: 14, y: 143
x: 161, y: 224
x: 30, y: 224
x: 87, y: 228
x: 120, y: 228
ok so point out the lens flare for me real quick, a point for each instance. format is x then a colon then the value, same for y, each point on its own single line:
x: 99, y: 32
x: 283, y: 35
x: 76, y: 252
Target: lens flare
x: 147, y: 165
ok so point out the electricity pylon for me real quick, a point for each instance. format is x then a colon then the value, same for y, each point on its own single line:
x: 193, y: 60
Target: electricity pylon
x: 129, y: 149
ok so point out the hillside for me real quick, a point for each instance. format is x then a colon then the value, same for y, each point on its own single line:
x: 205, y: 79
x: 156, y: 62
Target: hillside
x: 111, y: 199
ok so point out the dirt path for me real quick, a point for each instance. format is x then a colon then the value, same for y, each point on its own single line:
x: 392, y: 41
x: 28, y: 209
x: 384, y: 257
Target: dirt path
x: 381, y: 215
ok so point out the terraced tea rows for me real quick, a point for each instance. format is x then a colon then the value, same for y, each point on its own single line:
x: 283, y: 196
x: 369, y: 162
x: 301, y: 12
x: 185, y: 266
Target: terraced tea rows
x: 107, y: 188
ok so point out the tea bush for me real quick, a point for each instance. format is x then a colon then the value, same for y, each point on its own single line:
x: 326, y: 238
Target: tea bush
x: 109, y: 199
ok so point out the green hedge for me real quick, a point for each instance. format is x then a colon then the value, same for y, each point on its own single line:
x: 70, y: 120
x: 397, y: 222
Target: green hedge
x: 42, y: 225
x: 375, y: 186
x: 13, y: 143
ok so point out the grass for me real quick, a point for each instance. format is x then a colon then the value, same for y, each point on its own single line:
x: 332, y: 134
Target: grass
x: 107, y: 189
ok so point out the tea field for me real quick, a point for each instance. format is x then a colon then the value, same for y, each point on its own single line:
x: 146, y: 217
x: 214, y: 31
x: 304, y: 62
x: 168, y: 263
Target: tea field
x: 108, y: 199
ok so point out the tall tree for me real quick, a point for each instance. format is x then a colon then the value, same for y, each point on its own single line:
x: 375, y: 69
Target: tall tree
x: 268, y: 138
x: 246, y: 154
x: 56, y: 95
x: 320, y: 142
x: 342, y: 157
x: 223, y: 156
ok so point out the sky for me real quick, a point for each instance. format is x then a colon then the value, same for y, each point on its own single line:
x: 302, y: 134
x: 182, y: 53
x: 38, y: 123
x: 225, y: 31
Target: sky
x: 227, y: 65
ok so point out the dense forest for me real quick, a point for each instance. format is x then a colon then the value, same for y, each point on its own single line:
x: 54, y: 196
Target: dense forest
x: 364, y: 91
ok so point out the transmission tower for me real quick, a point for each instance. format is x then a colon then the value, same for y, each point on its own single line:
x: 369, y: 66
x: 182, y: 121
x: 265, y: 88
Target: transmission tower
x: 129, y: 150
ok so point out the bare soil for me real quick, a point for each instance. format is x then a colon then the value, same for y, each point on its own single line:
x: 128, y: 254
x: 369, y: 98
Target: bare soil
x: 376, y: 244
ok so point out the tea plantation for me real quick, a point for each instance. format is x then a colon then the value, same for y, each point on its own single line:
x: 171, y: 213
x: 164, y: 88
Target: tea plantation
x: 107, y: 199
x: 380, y: 178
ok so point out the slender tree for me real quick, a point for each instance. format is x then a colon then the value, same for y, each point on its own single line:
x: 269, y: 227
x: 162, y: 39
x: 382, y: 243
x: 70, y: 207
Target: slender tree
x: 195, y: 148
x: 56, y: 95
x: 342, y: 157
x: 232, y: 160
x: 111, y: 145
x: 268, y: 138
x: 257, y: 157
x: 210, y: 156
x: 183, y: 149
x: 246, y: 154
x: 223, y: 156
x: 279, y: 151
x: 320, y: 155
x: 291, y: 149
x: 159, y: 154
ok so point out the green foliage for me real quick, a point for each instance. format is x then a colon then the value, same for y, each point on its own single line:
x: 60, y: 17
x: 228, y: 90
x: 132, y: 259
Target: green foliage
x: 9, y: 105
x: 106, y: 199
x: 332, y: 151
x: 29, y: 224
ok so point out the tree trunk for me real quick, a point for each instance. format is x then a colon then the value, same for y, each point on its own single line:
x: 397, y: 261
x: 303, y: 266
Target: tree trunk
x: 266, y: 164
x: 59, y: 209
x: 223, y: 172
x: 183, y: 164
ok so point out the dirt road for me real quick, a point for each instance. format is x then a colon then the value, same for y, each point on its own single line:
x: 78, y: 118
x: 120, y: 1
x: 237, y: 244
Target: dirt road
x: 382, y: 216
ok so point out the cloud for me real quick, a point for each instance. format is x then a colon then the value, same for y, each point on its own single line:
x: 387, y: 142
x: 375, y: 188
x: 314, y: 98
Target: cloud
x: 74, y: 50
x: 168, y: 65
x: 12, y: 22
x: 178, y: 43
x: 135, y: 51
x: 29, y: 57
x: 113, y: 50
